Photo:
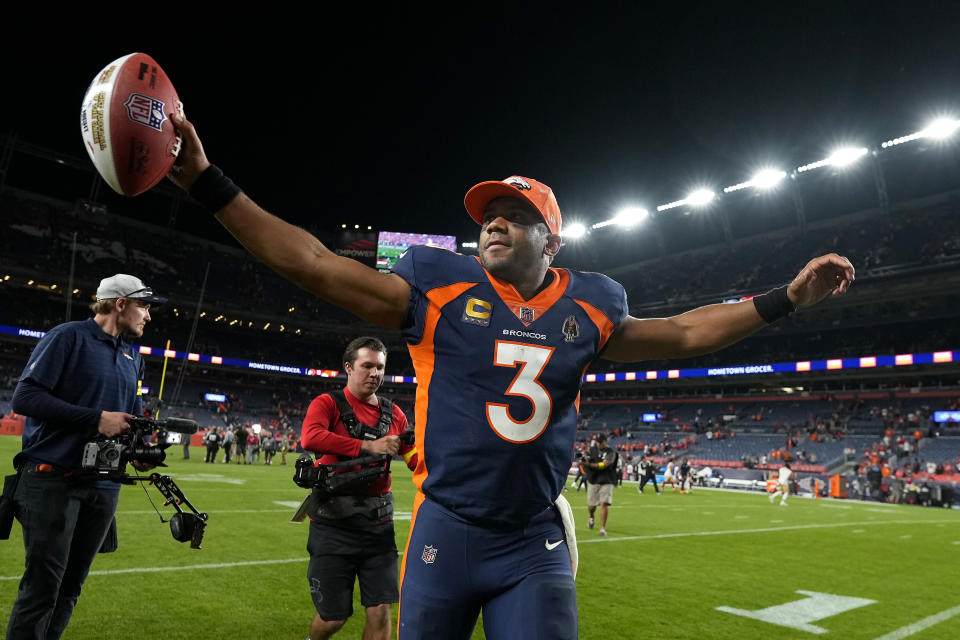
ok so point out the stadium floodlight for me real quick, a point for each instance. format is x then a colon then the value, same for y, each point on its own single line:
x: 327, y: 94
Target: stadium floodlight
x: 839, y: 158
x: 901, y: 140
x: 574, y: 231
x: 700, y: 197
x: 468, y: 245
x: 629, y: 216
x: 846, y: 155
x: 697, y: 198
x: 941, y: 128
x: 737, y: 187
x: 766, y: 179
x: 626, y: 217
x: 671, y: 205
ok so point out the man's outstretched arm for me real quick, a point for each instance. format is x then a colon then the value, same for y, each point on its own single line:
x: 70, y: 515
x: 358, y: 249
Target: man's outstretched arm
x: 296, y: 255
x: 713, y: 327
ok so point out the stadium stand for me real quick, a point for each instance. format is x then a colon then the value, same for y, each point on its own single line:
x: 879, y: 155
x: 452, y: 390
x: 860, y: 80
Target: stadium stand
x: 905, y: 301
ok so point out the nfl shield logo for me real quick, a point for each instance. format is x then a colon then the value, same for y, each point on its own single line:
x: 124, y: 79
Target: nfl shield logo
x: 429, y: 554
x: 526, y: 314
x: 145, y: 110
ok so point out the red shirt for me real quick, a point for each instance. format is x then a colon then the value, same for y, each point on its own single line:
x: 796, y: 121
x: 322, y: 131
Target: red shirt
x: 324, y: 433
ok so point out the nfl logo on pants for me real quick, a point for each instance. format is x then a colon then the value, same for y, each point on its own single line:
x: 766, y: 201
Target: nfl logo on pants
x: 429, y: 554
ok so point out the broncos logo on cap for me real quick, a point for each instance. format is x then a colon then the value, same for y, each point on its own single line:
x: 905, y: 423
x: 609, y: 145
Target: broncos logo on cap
x: 518, y: 182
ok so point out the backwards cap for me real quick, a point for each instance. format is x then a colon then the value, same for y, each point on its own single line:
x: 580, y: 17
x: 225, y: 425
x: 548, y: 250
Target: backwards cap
x: 537, y: 194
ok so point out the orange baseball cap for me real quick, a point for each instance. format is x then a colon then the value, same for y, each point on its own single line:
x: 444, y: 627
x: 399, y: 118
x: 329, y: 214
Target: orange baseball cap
x: 537, y: 194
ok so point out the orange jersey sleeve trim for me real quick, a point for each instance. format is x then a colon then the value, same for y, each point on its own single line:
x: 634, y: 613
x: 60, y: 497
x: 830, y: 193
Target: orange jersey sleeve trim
x: 599, y: 318
x: 423, y: 360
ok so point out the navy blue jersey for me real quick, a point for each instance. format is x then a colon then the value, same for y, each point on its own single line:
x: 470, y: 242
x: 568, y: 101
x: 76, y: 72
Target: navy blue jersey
x: 80, y: 364
x: 498, y: 380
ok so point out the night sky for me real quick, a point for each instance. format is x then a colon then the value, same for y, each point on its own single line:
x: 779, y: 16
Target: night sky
x: 387, y: 116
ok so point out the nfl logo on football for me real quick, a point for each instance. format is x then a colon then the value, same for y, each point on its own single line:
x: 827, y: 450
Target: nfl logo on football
x: 429, y: 554
x: 145, y: 110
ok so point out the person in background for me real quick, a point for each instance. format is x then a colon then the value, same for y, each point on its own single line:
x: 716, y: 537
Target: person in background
x: 602, y: 478
x: 352, y: 536
x: 82, y: 381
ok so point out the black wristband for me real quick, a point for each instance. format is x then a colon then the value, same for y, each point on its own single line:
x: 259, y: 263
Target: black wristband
x: 213, y: 189
x: 774, y: 304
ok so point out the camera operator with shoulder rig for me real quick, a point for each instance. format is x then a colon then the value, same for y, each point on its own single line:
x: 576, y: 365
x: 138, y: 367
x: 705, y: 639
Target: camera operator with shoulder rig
x: 352, y: 535
x: 82, y: 379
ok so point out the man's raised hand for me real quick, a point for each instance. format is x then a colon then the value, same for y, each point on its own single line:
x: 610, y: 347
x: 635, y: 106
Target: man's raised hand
x: 823, y: 276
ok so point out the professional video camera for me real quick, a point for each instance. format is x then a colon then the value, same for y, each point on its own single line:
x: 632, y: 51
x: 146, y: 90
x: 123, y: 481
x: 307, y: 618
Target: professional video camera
x: 108, y: 458
x: 331, y: 480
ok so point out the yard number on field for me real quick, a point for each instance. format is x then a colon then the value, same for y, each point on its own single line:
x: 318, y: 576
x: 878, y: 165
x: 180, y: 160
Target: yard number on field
x: 799, y: 614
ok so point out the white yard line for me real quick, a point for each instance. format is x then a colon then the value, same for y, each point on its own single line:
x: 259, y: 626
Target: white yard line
x: 920, y: 625
x: 223, y: 565
x: 727, y: 532
x: 688, y: 534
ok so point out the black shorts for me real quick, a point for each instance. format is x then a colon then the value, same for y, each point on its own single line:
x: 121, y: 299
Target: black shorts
x: 331, y: 578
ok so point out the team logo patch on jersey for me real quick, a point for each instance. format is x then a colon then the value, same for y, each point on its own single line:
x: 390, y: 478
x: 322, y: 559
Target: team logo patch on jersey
x: 127, y: 355
x: 571, y: 329
x: 429, y: 554
x: 477, y: 312
x: 526, y: 314
x: 145, y: 110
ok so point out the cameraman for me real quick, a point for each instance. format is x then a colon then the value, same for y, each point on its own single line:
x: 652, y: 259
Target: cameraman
x: 83, y: 378
x: 601, y: 479
x: 351, y: 536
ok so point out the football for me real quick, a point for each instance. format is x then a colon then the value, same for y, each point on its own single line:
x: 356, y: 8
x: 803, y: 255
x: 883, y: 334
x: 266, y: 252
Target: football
x: 125, y: 123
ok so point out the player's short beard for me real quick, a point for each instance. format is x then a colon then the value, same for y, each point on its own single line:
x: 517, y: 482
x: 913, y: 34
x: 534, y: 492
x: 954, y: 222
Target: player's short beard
x: 518, y: 266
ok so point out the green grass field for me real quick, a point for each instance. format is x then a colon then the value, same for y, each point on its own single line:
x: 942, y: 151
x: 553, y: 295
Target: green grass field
x: 667, y: 565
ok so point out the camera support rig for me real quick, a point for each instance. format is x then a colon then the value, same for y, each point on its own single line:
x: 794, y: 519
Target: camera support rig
x: 107, y: 458
x: 327, y: 480
x: 183, y: 525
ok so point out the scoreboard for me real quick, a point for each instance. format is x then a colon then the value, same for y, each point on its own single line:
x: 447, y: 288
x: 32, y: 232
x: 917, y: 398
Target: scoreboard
x: 392, y: 244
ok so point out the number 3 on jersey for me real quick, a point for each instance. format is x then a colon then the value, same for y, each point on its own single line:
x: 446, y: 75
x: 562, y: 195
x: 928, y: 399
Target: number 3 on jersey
x: 532, y: 359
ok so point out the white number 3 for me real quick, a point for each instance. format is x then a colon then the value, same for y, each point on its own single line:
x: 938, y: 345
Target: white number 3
x: 532, y: 360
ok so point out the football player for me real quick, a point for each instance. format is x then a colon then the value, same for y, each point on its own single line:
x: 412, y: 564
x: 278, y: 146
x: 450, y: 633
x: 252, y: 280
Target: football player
x: 500, y: 343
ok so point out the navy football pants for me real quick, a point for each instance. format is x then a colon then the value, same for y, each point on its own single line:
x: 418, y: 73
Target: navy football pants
x: 519, y: 579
